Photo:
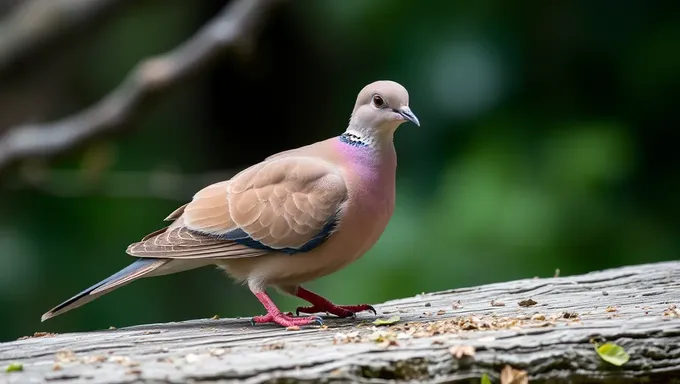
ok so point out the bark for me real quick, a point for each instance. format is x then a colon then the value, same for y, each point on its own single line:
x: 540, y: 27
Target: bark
x: 552, y: 340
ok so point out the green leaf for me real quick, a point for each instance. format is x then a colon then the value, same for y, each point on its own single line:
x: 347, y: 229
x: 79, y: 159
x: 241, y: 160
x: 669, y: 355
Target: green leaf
x: 485, y: 379
x: 612, y: 353
x: 14, y: 367
x: 389, y: 321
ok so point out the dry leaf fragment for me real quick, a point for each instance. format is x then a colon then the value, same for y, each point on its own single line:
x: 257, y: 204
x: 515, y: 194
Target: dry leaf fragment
x: 441, y: 312
x: 65, y: 356
x: 459, y: 351
x: 538, y: 317
x: 497, y: 303
x: 611, y: 308
x: 510, y: 375
x: 94, y: 359
x: 273, y: 346
x: 216, y: 317
x: 293, y: 328
x: 569, y: 315
x: 388, y: 343
x: 456, y: 305
x: 527, y: 303
x: 56, y: 367
x: 672, y: 311
x: 389, y: 321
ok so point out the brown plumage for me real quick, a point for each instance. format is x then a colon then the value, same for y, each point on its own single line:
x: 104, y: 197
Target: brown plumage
x: 297, y: 215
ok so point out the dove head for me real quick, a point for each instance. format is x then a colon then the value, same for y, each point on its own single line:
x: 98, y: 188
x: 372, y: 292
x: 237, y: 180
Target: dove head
x: 380, y: 108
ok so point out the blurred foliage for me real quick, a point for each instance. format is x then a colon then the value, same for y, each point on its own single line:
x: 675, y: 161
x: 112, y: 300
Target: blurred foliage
x: 547, y: 141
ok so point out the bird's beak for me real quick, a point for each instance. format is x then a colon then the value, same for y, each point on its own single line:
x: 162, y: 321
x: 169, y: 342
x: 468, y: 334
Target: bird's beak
x: 405, y: 111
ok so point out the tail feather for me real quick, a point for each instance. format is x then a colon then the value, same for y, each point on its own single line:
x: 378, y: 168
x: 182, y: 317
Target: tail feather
x: 128, y: 274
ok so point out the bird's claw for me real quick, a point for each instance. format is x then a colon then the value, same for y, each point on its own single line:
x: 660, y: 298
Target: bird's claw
x: 343, y: 311
x: 286, y: 320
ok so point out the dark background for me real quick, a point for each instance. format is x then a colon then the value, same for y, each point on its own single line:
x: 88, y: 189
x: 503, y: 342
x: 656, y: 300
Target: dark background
x: 548, y: 140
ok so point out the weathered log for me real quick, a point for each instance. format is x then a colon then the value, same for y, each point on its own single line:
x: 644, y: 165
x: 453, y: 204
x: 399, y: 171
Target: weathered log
x: 551, y: 340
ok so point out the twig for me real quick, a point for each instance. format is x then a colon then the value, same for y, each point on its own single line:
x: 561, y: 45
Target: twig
x: 37, y: 23
x: 234, y: 26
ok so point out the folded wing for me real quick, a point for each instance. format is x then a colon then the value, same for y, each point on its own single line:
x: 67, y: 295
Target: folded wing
x: 286, y: 204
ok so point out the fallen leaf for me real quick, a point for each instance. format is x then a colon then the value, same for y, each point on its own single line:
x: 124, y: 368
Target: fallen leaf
x: 293, y: 328
x: 441, y: 312
x: 56, y: 367
x: 458, y: 351
x: 612, y: 353
x: 216, y: 317
x: 610, y: 308
x: 388, y: 321
x: 497, y: 303
x: 485, y: 379
x: 538, y: 316
x: 457, y: 305
x: 14, y: 367
x: 510, y: 375
x: 527, y: 303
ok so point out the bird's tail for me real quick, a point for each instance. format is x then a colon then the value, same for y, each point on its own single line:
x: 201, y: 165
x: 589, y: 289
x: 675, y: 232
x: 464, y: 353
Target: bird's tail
x: 134, y: 271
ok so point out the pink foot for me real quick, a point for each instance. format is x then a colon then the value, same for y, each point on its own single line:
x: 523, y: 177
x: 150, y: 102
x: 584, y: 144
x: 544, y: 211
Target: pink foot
x: 285, y: 320
x: 320, y: 304
x: 274, y: 315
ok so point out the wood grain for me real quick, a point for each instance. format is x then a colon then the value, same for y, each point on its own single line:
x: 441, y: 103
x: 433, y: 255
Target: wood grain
x: 551, y: 340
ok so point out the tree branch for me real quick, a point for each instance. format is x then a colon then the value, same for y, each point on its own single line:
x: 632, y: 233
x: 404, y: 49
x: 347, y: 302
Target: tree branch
x: 453, y: 336
x: 232, y: 28
x: 34, y: 24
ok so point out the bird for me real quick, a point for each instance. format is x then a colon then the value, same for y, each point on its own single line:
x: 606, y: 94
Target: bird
x: 296, y: 216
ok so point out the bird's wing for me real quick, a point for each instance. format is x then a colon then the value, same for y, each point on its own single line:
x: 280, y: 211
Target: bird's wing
x: 288, y: 204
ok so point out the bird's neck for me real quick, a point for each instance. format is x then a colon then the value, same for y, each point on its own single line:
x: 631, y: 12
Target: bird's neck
x: 377, y: 139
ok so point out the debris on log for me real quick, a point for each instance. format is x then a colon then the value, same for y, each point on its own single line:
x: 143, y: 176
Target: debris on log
x: 548, y: 330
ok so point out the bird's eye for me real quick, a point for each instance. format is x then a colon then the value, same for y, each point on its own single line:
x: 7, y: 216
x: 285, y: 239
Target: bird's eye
x: 378, y: 101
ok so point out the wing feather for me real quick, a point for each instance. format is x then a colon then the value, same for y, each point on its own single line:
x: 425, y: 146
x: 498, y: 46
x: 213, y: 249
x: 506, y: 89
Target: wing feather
x: 286, y: 204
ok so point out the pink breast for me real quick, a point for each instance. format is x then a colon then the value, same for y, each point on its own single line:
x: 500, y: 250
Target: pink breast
x: 370, y: 175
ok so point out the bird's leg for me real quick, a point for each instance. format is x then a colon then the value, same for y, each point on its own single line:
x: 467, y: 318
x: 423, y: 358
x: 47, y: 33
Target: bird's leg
x: 274, y: 315
x: 321, y: 304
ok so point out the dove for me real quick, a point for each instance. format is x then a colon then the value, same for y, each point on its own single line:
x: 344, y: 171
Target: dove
x: 298, y: 215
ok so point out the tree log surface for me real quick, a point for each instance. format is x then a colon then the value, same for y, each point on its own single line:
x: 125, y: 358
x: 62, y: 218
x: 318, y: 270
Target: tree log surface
x: 631, y: 306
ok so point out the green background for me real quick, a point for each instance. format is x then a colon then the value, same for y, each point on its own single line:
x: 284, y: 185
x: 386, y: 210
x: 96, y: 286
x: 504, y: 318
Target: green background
x: 548, y: 140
